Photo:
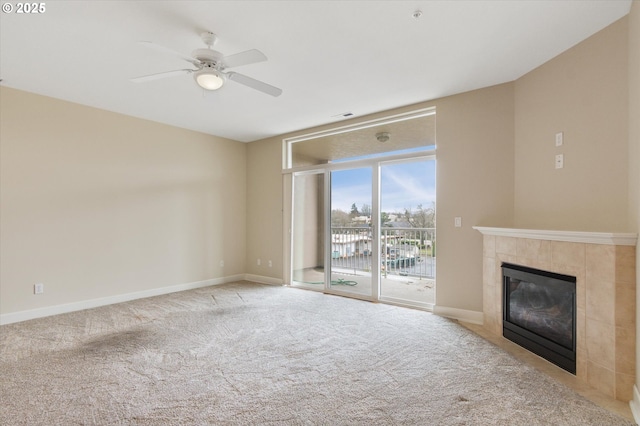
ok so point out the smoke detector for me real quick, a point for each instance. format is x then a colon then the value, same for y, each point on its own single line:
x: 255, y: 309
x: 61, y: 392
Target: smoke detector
x: 383, y: 136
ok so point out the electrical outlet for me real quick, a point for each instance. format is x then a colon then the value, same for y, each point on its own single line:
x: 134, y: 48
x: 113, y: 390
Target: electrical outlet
x: 559, y: 161
x: 38, y: 288
x: 222, y: 263
x: 270, y: 264
x: 259, y: 262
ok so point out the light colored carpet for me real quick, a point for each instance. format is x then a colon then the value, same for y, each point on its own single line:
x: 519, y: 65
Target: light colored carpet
x: 245, y: 353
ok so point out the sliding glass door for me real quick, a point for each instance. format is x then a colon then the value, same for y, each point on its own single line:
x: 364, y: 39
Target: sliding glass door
x: 407, y: 232
x: 352, y: 234
x: 308, y: 230
x: 367, y: 232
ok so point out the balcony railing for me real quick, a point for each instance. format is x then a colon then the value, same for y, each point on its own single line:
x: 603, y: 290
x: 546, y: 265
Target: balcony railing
x: 403, y: 251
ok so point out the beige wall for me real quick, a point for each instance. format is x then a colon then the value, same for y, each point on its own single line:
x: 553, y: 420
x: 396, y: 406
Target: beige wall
x: 583, y: 93
x: 96, y: 204
x: 474, y: 181
x: 265, y: 209
x: 634, y: 152
x: 634, y: 119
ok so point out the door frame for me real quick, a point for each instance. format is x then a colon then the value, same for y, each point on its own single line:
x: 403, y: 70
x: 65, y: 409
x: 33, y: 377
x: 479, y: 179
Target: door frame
x: 289, y: 172
x: 375, y: 164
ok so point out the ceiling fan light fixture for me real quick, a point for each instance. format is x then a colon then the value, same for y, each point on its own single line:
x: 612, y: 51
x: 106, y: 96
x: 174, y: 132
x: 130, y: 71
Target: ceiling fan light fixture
x: 209, y: 79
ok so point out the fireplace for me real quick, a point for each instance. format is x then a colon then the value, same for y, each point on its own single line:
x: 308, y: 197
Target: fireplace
x: 604, y: 265
x: 539, y: 313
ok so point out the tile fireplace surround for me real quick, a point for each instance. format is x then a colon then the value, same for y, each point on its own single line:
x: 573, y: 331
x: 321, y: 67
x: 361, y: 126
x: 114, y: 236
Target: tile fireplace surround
x: 604, y: 267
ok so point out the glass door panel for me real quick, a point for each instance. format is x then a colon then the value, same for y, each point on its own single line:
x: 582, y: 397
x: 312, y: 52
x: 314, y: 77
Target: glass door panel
x: 308, y: 231
x: 351, y: 235
x: 407, y: 232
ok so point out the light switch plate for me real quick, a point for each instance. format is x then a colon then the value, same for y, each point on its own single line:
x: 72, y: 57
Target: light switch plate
x: 559, y: 139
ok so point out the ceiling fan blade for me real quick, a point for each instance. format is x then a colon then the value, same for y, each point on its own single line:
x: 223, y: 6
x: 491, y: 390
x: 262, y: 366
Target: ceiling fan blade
x: 254, y: 84
x: 160, y: 75
x: 163, y: 49
x: 243, y: 58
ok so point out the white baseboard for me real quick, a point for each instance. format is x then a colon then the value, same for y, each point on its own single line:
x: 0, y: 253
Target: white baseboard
x: 458, y: 314
x: 263, y: 280
x: 473, y: 317
x: 110, y: 300
x: 634, y: 404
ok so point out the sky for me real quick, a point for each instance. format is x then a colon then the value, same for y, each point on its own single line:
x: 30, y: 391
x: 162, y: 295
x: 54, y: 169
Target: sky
x: 402, y: 186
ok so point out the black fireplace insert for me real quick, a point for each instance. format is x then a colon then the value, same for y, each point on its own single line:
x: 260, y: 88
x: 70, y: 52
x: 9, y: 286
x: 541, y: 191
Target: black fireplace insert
x: 540, y: 313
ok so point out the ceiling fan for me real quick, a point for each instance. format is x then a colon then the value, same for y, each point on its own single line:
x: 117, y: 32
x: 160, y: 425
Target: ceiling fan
x: 210, y: 66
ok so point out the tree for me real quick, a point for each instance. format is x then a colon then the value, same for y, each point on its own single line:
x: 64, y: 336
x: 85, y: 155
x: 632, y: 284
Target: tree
x: 365, y: 210
x: 422, y: 217
x: 384, y: 219
x: 354, y: 211
x: 340, y: 218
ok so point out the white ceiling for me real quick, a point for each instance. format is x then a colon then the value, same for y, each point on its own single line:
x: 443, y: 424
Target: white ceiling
x: 329, y: 57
